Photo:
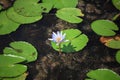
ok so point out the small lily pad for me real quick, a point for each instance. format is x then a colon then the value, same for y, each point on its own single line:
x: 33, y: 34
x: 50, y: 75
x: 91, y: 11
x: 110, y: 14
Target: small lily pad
x: 118, y: 56
x: 31, y: 8
x: 22, y: 49
x: 104, y: 27
x: 116, y: 3
x: 6, y: 25
x: 76, y: 41
x: 103, y: 74
x: 21, y: 19
x: 70, y: 15
x: 115, y: 44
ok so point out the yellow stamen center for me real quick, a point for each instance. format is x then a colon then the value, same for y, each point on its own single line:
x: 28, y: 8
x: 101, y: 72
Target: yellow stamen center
x: 58, y: 39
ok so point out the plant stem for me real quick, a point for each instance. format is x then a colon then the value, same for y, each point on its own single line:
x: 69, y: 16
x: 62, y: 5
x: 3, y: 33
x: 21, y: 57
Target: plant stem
x: 60, y: 49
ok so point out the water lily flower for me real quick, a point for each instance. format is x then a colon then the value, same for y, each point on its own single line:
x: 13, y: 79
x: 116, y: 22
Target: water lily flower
x: 58, y: 37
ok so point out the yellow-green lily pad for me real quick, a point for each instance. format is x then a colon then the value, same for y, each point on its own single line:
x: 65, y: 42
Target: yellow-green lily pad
x: 21, y: 19
x: 6, y: 25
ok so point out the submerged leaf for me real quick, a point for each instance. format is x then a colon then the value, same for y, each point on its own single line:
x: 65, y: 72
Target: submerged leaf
x: 70, y: 14
x: 22, y: 49
x: 104, y: 27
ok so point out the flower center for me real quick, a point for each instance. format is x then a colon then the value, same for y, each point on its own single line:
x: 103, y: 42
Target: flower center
x: 58, y: 39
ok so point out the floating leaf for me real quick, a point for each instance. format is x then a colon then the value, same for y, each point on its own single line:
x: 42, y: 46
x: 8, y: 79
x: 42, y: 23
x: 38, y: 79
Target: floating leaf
x: 65, y: 4
x: 21, y: 19
x: 31, y: 8
x: 21, y: 77
x: 118, y: 56
x: 103, y: 74
x: 116, y: 3
x: 6, y: 25
x: 12, y: 70
x: 115, y: 44
x: 8, y: 65
x: 77, y: 41
x: 104, y: 27
x: 22, y: 49
x: 10, y: 59
x: 70, y: 15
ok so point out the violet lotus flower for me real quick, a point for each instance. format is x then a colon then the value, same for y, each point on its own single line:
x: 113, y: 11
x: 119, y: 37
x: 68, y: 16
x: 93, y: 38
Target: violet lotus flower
x: 58, y: 37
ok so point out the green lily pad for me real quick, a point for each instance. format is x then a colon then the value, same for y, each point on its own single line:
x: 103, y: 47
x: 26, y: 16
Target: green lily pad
x: 116, y: 3
x: 21, y: 77
x: 115, y: 44
x: 22, y: 49
x: 6, y: 25
x: 103, y: 74
x: 31, y: 8
x: 10, y: 59
x: 12, y: 70
x: 76, y: 41
x: 8, y: 65
x: 104, y: 27
x: 1, y: 7
x: 118, y: 56
x: 70, y: 15
x: 21, y: 19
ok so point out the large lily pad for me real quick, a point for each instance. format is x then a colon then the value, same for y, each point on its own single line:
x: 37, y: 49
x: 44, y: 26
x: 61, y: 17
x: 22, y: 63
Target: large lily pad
x: 9, y: 64
x: 12, y: 70
x: 103, y: 74
x: 76, y: 41
x: 22, y: 49
x: 6, y: 25
x: 21, y: 19
x: 116, y: 3
x: 70, y: 15
x: 104, y: 27
x: 31, y: 8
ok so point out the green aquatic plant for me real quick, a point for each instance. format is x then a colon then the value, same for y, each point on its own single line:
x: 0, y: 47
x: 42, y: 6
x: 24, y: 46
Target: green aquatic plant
x: 102, y: 74
x: 104, y: 27
x: 13, y: 59
x: 25, y: 12
x: 74, y: 41
x: 116, y: 3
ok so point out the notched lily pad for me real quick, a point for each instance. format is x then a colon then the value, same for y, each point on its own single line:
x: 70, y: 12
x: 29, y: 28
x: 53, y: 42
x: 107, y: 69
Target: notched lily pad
x: 31, y: 8
x: 77, y: 41
x: 116, y: 3
x: 8, y: 64
x: 104, y: 27
x: 71, y: 15
x: 21, y: 19
x: 6, y: 25
x: 100, y: 74
x: 22, y: 49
